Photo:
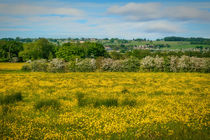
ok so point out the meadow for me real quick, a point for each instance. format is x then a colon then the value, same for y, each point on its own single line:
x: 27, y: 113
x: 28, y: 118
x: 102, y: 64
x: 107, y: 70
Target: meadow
x: 10, y: 66
x: 103, y: 105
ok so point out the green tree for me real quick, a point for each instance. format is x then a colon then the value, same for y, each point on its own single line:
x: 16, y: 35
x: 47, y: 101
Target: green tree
x: 70, y: 51
x: 40, y: 49
x: 9, y: 49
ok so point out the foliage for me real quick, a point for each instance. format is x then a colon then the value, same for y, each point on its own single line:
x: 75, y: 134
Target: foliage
x: 40, y: 49
x: 148, y: 63
x: 71, y: 51
x: 193, y: 40
x: 130, y: 65
x: 26, y: 67
x: 116, y: 55
x: 138, y: 53
x: 85, y: 65
x: 9, y: 50
x: 39, y: 65
x: 175, y: 64
x: 57, y: 65
x: 153, y: 64
x: 127, y: 65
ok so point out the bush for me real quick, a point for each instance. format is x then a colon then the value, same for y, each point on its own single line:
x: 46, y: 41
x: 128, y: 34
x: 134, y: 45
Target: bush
x: 127, y: 65
x: 167, y: 64
x: 107, y: 64
x: 47, y: 103
x: 116, y: 66
x: 130, y: 65
x: 39, y: 65
x: 12, y: 98
x: 147, y: 63
x: 153, y: 64
x: 26, y: 67
x: 173, y: 63
x: 71, y: 66
x: 159, y: 63
x: 184, y: 64
x: 14, y: 59
x: 207, y: 65
x: 99, y: 63
x: 86, y: 65
x: 57, y: 65
x: 197, y: 64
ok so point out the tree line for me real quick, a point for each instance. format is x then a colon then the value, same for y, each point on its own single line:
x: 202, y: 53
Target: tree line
x: 13, y: 51
x: 43, y: 49
x: 192, y: 40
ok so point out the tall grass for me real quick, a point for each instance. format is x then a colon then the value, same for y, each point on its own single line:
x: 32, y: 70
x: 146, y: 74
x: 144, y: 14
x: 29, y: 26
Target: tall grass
x: 129, y: 102
x: 12, y: 98
x: 106, y: 102
x: 47, y: 103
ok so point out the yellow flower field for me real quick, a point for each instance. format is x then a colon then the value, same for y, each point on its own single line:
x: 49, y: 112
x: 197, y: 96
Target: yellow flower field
x: 11, y: 66
x: 105, y: 105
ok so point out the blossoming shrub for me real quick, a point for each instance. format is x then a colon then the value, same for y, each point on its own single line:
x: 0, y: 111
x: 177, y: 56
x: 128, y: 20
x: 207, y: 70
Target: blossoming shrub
x: 175, y: 64
x: 127, y: 65
x: 26, y: 67
x: 57, y: 65
x: 86, y: 65
x: 152, y: 63
x: 107, y: 64
x: 39, y: 65
x: 147, y: 64
x: 189, y: 64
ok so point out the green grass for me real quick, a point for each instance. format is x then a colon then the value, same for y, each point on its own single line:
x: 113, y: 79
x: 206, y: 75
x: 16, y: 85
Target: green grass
x: 129, y: 102
x: 96, y: 102
x: 106, y: 102
x: 10, y: 99
x: 48, y: 103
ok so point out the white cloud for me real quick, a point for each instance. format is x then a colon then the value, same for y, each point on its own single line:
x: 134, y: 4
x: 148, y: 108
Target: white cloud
x: 157, y: 11
x: 150, y: 20
x: 163, y: 27
x: 24, y: 9
x: 14, y: 29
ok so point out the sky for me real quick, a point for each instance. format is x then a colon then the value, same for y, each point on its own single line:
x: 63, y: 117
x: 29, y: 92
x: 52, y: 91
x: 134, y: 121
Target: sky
x: 125, y: 19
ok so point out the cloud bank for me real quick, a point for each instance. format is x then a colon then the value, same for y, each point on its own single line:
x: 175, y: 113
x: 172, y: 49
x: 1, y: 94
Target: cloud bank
x: 104, y: 19
x: 157, y: 11
x: 29, y: 10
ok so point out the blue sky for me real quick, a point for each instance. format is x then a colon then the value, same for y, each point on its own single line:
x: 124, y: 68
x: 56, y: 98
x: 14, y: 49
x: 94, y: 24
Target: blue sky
x: 104, y: 18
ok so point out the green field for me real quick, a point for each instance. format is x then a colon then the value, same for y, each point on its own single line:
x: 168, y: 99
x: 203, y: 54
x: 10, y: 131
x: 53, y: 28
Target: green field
x: 173, y: 44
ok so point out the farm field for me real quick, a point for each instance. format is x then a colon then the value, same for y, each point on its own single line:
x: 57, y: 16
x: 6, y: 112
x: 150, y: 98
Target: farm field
x: 109, y: 105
